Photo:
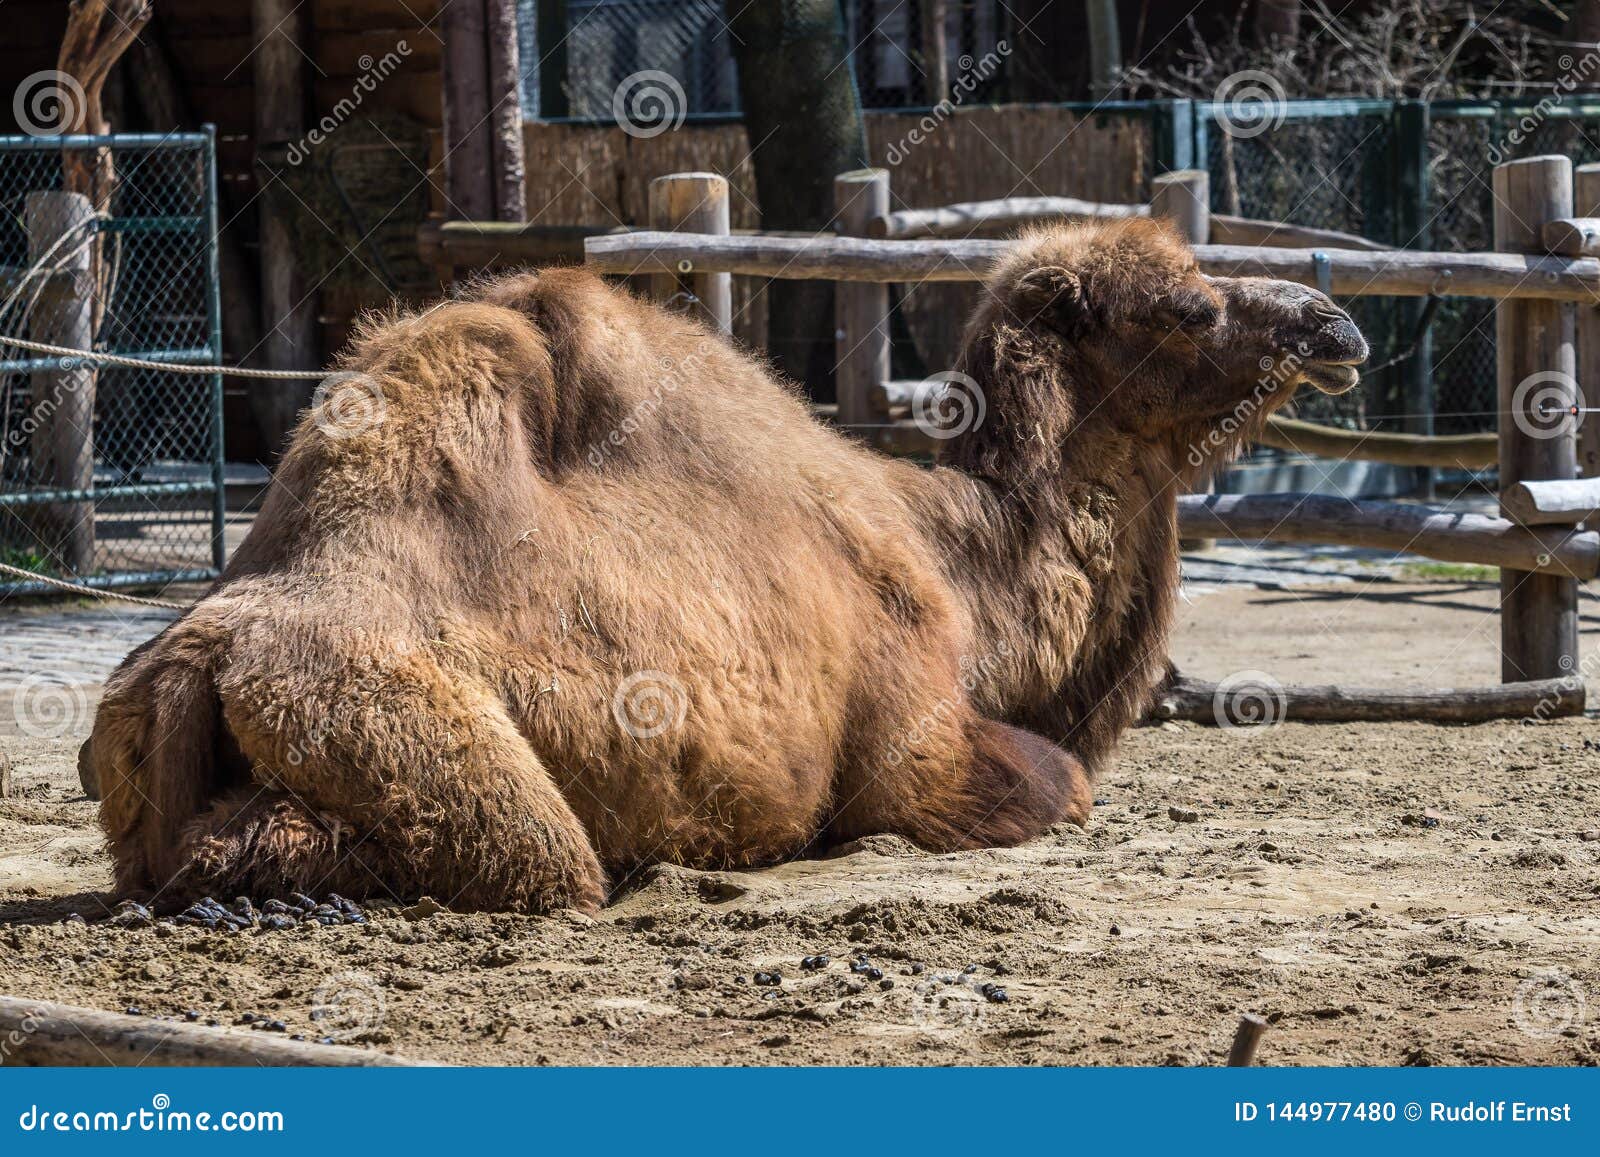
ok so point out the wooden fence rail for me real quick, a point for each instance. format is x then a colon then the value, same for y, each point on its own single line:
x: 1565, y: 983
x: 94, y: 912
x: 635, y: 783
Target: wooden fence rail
x: 1353, y: 273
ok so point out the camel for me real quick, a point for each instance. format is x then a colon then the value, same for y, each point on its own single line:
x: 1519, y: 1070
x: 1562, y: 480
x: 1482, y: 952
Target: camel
x: 588, y: 589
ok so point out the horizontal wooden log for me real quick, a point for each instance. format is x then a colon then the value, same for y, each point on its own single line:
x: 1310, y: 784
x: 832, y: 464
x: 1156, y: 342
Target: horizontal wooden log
x: 1551, y: 502
x: 41, y: 1032
x: 1016, y: 212
x: 1450, y: 537
x: 482, y: 244
x: 1572, y: 236
x: 1452, y: 451
x: 1010, y: 212
x: 1397, y: 273
x: 1229, y: 230
x: 1199, y: 702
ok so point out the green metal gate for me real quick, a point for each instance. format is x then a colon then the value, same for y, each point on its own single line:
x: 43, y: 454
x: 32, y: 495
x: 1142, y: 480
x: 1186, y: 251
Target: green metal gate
x: 110, y: 476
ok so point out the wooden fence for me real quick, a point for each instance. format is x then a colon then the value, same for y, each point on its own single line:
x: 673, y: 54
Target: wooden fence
x: 1544, y: 262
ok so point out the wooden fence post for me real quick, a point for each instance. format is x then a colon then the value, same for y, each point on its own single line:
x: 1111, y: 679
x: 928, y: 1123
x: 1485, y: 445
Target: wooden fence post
x: 61, y: 444
x: 1534, y: 343
x: 1184, y: 198
x: 694, y: 203
x: 860, y: 309
x: 1586, y: 203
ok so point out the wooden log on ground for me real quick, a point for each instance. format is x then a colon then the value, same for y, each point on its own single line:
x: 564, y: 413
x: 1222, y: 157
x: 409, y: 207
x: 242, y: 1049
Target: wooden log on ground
x: 1551, y: 502
x: 1456, y: 451
x: 41, y: 1032
x: 1449, y: 537
x: 1535, y: 367
x: 1397, y: 273
x: 498, y: 244
x: 1254, y: 704
x: 1242, y: 1054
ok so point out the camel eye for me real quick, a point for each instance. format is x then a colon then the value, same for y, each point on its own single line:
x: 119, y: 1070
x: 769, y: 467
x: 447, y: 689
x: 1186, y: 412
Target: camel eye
x: 1192, y: 311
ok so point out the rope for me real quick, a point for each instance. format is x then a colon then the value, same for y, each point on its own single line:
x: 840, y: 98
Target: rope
x: 110, y: 359
x: 92, y: 592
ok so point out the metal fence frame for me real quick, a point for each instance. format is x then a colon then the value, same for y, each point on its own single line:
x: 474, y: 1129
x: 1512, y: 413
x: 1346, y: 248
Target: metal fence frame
x: 205, y: 224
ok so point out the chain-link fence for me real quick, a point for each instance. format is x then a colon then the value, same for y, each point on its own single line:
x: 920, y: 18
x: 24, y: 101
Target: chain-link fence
x: 110, y: 476
x: 580, y: 54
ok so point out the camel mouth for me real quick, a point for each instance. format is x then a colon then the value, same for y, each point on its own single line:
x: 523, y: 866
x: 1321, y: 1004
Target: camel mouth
x: 1333, y: 377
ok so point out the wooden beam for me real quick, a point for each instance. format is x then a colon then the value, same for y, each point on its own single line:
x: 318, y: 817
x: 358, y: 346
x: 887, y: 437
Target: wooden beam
x: 1572, y: 236
x: 1536, y: 365
x: 468, y: 133
x: 861, y: 312
x: 1201, y: 702
x: 1586, y: 203
x: 42, y: 1032
x: 288, y: 306
x: 696, y: 203
x: 1455, y: 451
x: 1450, y: 537
x: 498, y: 244
x: 1395, y: 273
x: 1551, y: 502
x: 1014, y: 212
x: 509, y: 171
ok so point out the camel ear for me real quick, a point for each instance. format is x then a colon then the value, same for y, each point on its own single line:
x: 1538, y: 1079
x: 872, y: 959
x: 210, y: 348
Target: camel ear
x: 1050, y: 291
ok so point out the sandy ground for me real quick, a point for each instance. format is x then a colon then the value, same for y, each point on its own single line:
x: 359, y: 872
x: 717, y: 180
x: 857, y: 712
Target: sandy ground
x: 1393, y: 894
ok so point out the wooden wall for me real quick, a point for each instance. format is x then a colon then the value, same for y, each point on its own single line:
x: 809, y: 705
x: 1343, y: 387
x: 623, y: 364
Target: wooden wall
x: 599, y: 175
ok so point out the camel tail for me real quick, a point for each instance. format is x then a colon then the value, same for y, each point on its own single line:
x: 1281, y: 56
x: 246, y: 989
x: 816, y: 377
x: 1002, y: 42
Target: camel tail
x: 157, y: 756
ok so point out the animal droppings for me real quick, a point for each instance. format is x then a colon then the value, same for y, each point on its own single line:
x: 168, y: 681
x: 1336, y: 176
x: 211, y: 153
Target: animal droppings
x: 768, y: 979
x: 815, y: 963
x: 243, y: 915
x: 993, y: 993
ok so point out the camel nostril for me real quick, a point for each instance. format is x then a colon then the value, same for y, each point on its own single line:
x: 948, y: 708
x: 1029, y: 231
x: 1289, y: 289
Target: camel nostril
x: 1327, y: 311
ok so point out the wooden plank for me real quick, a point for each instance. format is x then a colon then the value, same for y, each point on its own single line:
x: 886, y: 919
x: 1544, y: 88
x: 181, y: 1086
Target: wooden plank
x: 469, y: 151
x: 491, y: 244
x: 1227, y: 229
x: 1536, y: 365
x: 332, y: 16
x: 1403, y: 528
x: 1397, y: 273
x: 1202, y: 702
x: 46, y: 1033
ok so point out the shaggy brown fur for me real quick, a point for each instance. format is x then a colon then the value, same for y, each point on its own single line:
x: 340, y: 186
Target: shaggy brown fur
x: 430, y: 666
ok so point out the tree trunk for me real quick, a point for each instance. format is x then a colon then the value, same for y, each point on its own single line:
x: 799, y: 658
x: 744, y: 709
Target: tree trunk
x: 804, y: 125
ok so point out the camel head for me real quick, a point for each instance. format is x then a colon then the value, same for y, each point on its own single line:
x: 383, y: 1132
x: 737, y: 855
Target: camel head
x: 1107, y: 337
